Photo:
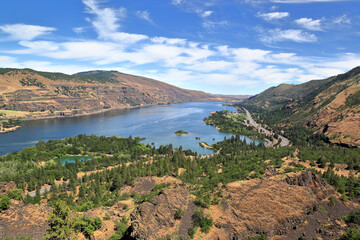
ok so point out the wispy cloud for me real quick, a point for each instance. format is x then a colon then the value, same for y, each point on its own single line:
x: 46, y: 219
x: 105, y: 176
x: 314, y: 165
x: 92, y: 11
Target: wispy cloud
x: 106, y: 23
x: 144, y: 15
x: 177, y: 2
x: 25, y: 32
x: 309, y: 23
x: 78, y: 30
x: 279, y: 35
x: 210, y: 25
x: 273, y: 15
x: 342, y: 20
x: 200, y: 8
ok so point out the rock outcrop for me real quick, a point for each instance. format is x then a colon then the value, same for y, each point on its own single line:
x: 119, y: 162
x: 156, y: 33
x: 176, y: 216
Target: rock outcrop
x: 5, y: 187
x: 155, y: 219
x: 274, y: 206
x: 24, y: 220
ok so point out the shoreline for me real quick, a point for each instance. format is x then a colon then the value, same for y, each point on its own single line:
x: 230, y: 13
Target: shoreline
x: 80, y: 115
x: 205, y: 145
x: 8, y: 130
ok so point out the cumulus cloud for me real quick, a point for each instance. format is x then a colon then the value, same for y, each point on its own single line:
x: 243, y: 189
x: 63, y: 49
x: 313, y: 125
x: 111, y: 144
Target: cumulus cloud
x: 25, y: 32
x: 273, y: 15
x: 309, y: 23
x: 278, y: 35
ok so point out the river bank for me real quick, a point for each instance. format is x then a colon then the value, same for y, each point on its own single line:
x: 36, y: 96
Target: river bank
x: 34, y: 116
x: 7, y: 130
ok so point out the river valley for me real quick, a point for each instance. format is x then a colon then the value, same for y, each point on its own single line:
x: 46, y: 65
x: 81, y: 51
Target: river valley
x: 155, y: 123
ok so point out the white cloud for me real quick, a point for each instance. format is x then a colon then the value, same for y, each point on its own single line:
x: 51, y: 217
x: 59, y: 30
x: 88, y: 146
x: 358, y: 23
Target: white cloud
x: 78, y: 30
x: 8, y: 62
x: 106, y: 21
x: 170, y: 41
x: 204, y: 14
x: 309, y: 23
x: 25, y: 32
x: 273, y: 15
x: 278, y: 35
x: 342, y: 20
x: 144, y: 15
x: 177, y: 2
x: 210, y: 66
x: 214, y: 24
x: 179, y: 61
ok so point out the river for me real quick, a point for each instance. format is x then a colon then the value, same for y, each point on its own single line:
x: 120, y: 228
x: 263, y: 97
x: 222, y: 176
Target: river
x: 155, y: 123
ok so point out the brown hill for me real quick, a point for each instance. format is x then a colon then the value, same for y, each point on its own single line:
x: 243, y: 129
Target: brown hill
x: 330, y: 106
x: 25, y: 93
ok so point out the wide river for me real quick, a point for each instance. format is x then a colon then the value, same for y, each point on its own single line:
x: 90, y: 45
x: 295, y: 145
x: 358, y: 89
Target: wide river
x: 155, y: 123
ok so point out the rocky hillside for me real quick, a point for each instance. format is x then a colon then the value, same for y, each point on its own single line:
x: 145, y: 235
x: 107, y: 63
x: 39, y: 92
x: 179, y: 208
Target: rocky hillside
x: 330, y: 106
x: 25, y: 93
x: 279, y: 206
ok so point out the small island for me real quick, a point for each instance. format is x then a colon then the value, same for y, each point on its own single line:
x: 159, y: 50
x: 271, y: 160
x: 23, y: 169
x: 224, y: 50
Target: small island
x: 181, y: 132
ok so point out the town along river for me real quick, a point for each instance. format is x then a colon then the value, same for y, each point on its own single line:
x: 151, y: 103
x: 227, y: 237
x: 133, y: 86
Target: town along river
x: 157, y: 124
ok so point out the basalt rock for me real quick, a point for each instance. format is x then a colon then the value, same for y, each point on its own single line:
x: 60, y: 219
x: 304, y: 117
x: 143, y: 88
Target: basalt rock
x: 273, y: 206
x: 5, y: 187
x: 155, y: 219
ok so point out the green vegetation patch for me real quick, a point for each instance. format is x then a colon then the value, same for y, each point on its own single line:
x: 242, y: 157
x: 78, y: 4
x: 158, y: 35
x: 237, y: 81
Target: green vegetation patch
x: 181, y: 132
x: 232, y: 123
x: 353, y: 99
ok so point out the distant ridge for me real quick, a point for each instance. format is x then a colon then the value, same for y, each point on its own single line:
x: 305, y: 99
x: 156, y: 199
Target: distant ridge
x: 35, y: 94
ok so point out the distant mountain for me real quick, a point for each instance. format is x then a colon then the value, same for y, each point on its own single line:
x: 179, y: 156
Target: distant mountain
x: 35, y: 94
x: 330, y: 106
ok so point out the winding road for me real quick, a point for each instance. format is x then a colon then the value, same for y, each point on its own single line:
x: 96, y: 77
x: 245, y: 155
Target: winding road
x: 284, y: 141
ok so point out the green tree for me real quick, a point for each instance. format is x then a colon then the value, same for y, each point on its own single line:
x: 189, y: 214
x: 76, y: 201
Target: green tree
x: 61, y: 226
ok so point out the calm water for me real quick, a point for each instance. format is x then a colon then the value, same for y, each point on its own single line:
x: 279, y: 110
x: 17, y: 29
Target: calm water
x: 156, y: 123
x: 72, y: 159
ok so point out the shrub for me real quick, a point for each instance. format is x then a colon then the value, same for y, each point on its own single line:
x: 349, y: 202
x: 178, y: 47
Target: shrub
x: 16, y: 194
x: 106, y: 217
x: 353, y: 217
x: 120, y: 228
x: 203, y: 221
x: 4, y: 202
x: 351, y: 234
x: 179, y: 213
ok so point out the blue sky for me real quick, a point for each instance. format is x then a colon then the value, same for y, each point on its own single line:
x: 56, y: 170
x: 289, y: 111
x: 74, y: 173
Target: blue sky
x: 218, y: 46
